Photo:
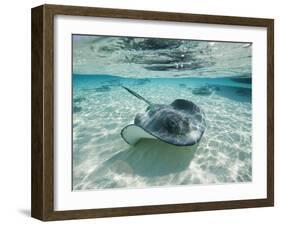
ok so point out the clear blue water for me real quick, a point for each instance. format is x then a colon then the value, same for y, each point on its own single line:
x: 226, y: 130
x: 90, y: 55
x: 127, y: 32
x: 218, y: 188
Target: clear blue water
x: 101, y: 108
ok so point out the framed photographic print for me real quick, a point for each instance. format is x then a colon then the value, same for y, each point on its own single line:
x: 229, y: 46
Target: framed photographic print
x: 141, y: 112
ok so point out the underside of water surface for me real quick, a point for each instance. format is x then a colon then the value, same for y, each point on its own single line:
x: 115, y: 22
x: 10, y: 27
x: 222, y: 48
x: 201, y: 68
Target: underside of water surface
x: 216, y: 76
x: 147, y: 57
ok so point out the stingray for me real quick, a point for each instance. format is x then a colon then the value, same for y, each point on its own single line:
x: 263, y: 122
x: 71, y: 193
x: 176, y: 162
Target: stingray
x: 203, y: 90
x: 103, y: 88
x: 182, y: 85
x: 181, y: 123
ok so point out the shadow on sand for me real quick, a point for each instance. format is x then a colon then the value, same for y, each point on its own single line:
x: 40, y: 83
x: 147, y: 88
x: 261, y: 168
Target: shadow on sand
x: 150, y: 158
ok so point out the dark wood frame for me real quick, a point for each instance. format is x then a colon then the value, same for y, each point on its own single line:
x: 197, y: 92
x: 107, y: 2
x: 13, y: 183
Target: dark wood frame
x: 42, y: 198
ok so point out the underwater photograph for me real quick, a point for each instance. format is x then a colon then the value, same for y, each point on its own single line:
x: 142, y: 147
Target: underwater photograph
x: 153, y: 112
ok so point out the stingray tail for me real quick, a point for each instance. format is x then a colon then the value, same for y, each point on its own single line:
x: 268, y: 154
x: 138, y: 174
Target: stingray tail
x: 137, y: 95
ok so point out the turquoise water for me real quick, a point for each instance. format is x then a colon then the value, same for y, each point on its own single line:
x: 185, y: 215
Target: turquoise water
x: 101, y: 159
x: 101, y: 108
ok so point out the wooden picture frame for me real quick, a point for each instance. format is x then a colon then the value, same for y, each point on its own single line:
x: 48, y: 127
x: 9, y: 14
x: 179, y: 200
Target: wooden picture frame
x: 42, y: 203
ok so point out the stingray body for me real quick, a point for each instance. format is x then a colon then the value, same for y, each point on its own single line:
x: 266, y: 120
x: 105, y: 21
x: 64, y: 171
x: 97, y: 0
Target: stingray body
x: 181, y: 123
x: 203, y: 90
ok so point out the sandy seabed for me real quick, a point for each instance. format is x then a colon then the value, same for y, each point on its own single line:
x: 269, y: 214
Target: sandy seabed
x: 101, y: 158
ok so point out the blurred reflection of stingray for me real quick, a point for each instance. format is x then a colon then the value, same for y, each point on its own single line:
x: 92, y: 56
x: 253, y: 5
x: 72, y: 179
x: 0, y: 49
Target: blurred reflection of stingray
x: 150, y: 158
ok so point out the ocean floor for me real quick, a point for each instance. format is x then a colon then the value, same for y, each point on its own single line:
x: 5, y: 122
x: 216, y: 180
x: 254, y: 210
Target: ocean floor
x: 102, y: 159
